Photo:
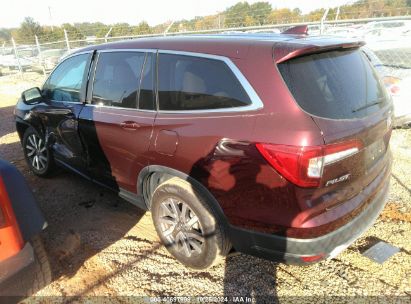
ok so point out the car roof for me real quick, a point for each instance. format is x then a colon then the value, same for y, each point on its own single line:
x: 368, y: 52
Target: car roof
x: 233, y: 45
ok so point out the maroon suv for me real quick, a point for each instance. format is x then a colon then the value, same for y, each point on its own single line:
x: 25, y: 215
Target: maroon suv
x: 274, y: 145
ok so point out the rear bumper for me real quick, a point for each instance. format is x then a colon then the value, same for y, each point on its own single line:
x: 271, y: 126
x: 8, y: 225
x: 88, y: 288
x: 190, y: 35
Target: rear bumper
x: 17, y: 273
x: 292, y: 250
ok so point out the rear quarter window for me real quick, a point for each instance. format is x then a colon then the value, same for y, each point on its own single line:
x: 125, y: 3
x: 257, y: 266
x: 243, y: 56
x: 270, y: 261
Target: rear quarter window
x: 335, y: 85
x: 197, y: 83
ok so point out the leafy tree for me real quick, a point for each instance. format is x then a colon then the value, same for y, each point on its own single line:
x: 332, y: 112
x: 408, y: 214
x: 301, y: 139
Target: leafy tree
x: 260, y: 11
x: 236, y: 15
x: 73, y: 32
x: 28, y: 29
x: 142, y: 28
x: 122, y: 29
x: 50, y: 34
x: 282, y: 15
x: 208, y: 22
x: 297, y: 11
x: 5, y: 35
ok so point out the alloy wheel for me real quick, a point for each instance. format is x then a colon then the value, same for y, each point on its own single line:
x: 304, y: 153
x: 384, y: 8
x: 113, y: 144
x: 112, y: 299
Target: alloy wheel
x: 181, y: 226
x: 36, y: 152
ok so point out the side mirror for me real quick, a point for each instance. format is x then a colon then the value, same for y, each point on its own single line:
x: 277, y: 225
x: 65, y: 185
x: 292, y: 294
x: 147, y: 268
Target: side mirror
x: 31, y: 96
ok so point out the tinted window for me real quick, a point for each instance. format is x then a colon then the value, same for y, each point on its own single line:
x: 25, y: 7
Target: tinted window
x: 146, y: 99
x: 194, y: 83
x: 117, y: 79
x: 339, y: 84
x: 67, y: 79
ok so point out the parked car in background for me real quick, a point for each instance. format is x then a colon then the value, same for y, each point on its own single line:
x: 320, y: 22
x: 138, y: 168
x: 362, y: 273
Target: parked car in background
x: 397, y: 80
x: 27, y: 57
x: 400, y: 26
x: 280, y: 152
x: 49, y: 59
x: 24, y: 266
x: 347, y: 32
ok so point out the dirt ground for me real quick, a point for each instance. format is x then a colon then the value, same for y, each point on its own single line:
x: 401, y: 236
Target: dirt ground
x: 100, y: 245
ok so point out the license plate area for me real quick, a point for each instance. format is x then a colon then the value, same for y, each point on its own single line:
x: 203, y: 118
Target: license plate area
x: 374, y: 152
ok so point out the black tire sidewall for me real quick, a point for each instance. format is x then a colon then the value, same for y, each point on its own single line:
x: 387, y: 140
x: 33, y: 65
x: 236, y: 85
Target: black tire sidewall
x: 49, y: 165
x: 209, y: 224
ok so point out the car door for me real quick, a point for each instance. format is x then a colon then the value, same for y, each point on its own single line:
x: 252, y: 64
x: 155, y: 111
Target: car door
x: 64, y: 96
x: 117, y: 122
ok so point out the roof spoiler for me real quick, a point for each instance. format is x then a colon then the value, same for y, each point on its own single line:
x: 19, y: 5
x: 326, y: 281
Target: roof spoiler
x: 293, y: 50
x: 297, y: 30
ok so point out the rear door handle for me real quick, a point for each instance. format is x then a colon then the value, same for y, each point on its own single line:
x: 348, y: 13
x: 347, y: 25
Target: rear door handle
x: 129, y: 125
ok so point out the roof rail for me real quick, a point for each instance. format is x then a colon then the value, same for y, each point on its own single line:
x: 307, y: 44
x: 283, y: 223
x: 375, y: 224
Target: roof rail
x: 297, y: 30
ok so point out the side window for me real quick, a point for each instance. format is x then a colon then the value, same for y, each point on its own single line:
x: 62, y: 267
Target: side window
x: 146, y: 99
x: 117, y: 79
x: 195, y: 83
x: 65, y: 83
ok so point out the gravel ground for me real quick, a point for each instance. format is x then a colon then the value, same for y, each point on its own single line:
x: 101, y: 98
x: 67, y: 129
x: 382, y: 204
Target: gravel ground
x: 100, y: 245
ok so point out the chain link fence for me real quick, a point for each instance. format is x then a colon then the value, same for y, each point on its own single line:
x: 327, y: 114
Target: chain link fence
x: 389, y: 37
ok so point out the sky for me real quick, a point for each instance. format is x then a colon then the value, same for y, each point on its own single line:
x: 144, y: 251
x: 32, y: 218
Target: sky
x: 154, y: 12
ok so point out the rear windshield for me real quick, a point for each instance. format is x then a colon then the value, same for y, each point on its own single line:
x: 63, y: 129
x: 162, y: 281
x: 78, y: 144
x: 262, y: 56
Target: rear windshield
x: 336, y: 85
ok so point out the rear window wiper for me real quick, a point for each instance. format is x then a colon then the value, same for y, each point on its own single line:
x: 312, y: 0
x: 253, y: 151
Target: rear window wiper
x: 378, y: 101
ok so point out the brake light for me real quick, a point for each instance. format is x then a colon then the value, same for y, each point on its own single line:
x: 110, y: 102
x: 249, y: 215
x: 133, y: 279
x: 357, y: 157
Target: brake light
x: 304, y: 165
x: 313, y: 258
x: 11, y: 240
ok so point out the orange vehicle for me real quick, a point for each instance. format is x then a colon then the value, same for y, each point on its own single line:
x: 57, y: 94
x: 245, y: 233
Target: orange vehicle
x: 24, y: 266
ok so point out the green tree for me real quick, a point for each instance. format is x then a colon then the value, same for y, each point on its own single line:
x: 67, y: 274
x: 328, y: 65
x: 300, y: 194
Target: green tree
x: 236, y: 15
x: 260, y: 11
x: 28, y: 29
x: 122, y: 29
x: 73, y: 32
x: 142, y: 29
x: 282, y: 15
x: 5, y: 35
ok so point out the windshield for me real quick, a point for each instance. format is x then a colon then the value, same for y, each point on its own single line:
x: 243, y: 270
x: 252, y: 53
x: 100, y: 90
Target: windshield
x: 336, y: 84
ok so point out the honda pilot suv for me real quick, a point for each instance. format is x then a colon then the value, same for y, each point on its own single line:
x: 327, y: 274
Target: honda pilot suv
x: 272, y: 145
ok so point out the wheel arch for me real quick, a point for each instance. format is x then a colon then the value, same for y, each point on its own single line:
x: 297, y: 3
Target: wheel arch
x: 26, y: 210
x: 154, y: 175
x: 22, y: 125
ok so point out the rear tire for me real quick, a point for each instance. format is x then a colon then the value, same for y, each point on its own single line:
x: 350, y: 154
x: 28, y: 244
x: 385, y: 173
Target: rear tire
x: 42, y: 268
x: 36, y: 153
x: 187, y: 226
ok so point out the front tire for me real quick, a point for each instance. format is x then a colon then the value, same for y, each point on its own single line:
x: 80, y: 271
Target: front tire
x: 36, y: 153
x: 187, y: 226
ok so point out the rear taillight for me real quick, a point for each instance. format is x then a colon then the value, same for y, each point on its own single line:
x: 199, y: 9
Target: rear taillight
x: 11, y: 240
x: 312, y: 258
x: 303, y: 165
